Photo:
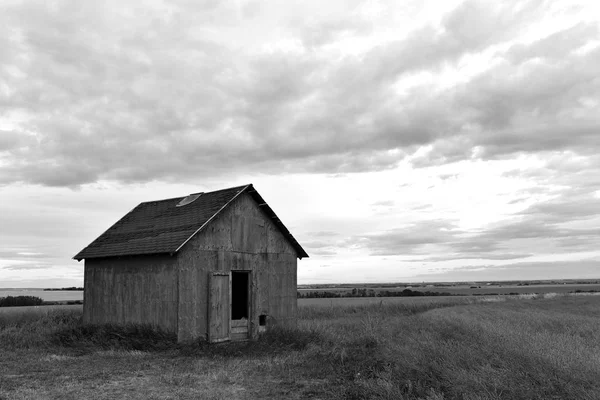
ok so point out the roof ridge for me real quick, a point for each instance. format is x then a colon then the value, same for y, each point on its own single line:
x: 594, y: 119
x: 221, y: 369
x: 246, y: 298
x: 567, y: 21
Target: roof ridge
x: 161, y: 200
x: 182, y: 197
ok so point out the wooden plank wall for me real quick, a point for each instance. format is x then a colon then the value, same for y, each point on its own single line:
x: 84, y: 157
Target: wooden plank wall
x: 172, y: 292
x: 219, y: 306
x: 219, y: 235
x: 193, y: 270
x: 241, y: 238
x: 282, y: 297
x: 141, y: 289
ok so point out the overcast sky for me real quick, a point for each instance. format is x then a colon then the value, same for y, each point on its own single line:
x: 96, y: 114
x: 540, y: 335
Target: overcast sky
x: 398, y: 141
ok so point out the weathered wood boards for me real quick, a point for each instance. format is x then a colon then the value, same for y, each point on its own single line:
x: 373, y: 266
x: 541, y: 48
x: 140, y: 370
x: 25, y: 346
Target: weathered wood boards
x: 239, y: 239
x: 142, y: 290
x: 189, y: 292
x: 219, y: 307
x: 239, y: 329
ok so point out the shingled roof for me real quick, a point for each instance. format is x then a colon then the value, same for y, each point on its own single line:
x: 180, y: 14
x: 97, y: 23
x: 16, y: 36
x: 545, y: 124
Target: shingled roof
x: 158, y: 227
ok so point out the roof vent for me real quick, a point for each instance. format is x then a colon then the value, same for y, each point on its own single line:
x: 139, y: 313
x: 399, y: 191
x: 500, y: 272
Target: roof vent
x: 189, y: 199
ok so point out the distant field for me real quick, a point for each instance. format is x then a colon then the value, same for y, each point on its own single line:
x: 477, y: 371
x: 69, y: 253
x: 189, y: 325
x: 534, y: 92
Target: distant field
x: 344, y: 301
x: 325, y: 302
x: 354, y: 301
x: 46, y: 295
x: 512, y: 289
x: 40, y: 309
x: 68, y: 295
x: 481, y: 290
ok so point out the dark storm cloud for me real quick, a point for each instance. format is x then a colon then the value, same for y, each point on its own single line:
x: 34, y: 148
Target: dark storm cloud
x: 104, y: 92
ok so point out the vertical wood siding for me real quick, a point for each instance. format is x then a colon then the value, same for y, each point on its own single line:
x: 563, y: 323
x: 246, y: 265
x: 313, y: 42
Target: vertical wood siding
x: 173, y: 292
x: 141, y: 289
x: 219, y: 311
x: 219, y: 235
x: 241, y: 238
x: 193, y: 272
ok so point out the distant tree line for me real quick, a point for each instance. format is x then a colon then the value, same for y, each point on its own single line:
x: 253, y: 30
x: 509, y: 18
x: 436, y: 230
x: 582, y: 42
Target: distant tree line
x: 65, y: 288
x: 321, y: 294
x: 18, y: 301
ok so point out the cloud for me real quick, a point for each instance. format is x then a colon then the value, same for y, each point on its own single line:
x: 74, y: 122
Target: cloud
x: 383, y: 203
x: 321, y: 247
x: 323, y: 253
x: 464, y: 256
x: 316, y: 34
x: 94, y: 91
x: 322, y: 234
x: 411, y: 239
x: 20, y: 253
x: 583, y: 269
x: 564, y: 221
x: 25, y: 267
x: 315, y: 244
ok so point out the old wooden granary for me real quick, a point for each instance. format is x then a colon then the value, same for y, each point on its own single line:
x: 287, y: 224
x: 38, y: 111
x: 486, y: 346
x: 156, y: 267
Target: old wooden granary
x: 217, y: 266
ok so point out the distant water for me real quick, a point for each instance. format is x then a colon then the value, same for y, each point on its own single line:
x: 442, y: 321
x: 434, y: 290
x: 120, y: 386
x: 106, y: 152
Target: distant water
x: 50, y: 295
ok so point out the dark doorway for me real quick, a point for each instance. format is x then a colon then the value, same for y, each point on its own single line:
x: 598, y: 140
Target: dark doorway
x: 239, y: 294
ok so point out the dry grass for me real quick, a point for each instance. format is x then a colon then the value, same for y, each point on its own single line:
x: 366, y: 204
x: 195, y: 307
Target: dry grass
x: 513, y: 349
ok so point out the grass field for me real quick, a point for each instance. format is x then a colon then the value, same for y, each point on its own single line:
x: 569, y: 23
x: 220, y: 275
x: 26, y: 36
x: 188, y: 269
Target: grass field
x: 46, y: 295
x: 359, y: 301
x: 540, y: 348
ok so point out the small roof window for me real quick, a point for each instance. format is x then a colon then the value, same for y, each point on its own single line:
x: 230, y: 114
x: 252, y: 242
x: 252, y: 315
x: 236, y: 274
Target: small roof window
x: 189, y: 199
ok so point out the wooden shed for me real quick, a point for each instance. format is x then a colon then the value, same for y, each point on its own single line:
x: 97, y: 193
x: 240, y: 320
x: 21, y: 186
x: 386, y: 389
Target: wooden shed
x: 217, y: 266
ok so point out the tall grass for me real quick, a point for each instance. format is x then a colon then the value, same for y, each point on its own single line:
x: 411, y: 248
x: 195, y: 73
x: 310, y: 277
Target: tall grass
x: 311, y: 312
x: 39, y: 328
x: 516, y: 349
x: 452, y: 349
x: 19, y: 301
x: 34, y: 328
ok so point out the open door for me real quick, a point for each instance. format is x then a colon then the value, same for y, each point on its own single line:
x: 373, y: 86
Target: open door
x: 240, y: 305
x: 219, y: 308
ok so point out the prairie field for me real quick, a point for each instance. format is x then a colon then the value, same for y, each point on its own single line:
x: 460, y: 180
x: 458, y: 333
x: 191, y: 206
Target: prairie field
x: 469, y: 290
x: 46, y: 295
x: 360, y: 301
x: 540, y: 347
